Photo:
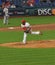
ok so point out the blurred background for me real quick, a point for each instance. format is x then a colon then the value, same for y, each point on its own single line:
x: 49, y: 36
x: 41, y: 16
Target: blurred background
x: 29, y: 3
x: 28, y: 7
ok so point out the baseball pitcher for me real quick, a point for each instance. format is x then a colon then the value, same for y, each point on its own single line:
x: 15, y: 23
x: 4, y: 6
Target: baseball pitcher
x: 27, y: 29
x: 5, y: 11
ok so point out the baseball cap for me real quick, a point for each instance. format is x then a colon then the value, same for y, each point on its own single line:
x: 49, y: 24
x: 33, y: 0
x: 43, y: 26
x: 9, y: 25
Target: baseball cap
x: 23, y: 21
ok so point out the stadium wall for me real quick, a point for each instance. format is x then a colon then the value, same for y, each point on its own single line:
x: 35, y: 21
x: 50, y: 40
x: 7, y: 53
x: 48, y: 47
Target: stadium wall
x: 30, y: 11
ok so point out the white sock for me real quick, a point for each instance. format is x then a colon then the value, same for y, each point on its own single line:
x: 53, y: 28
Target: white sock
x: 37, y: 32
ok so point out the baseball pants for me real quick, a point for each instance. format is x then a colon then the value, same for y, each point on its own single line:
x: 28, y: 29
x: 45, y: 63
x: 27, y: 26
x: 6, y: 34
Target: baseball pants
x: 25, y: 35
x: 5, y: 20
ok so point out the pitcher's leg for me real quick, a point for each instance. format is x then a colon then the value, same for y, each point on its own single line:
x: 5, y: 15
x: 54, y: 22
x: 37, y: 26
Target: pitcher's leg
x: 24, y: 38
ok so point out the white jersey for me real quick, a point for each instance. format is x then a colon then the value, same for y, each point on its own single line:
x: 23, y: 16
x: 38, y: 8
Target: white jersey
x: 26, y: 25
x: 5, y: 10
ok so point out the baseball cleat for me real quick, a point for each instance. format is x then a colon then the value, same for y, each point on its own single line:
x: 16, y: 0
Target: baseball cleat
x: 40, y: 33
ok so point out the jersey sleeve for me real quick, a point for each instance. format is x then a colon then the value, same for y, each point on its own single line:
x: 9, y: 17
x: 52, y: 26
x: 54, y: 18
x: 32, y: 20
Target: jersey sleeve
x: 27, y: 25
x: 22, y: 25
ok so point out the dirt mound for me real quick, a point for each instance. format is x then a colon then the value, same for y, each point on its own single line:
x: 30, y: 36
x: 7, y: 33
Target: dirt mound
x: 34, y: 27
x: 31, y: 44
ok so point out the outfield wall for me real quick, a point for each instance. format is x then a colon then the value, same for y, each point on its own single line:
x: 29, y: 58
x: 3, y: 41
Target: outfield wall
x: 30, y: 11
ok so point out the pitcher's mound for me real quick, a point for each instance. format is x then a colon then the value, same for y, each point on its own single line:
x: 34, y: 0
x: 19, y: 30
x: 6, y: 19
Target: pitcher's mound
x: 31, y: 44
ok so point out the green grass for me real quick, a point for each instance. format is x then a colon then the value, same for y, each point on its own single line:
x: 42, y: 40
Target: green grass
x: 10, y: 36
x: 37, y: 56
x: 15, y: 36
x: 31, y: 20
x: 40, y: 56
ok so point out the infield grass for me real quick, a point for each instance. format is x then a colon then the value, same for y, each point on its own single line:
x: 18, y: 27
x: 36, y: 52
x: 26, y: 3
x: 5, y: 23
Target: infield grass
x: 17, y: 36
x: 31, y: 20
x: 39, y: 56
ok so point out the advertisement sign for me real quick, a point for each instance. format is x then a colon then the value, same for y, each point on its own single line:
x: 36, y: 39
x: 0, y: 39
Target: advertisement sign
x: 13, y: 12
x: 53, y: 11
x: 44, y: 12
x: 30, y: 12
